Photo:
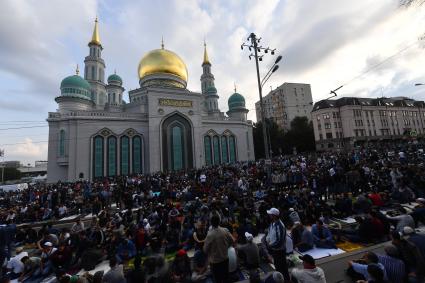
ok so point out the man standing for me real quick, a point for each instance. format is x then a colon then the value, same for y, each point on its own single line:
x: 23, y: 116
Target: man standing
x: 216, y: 244
x: 276, y: 242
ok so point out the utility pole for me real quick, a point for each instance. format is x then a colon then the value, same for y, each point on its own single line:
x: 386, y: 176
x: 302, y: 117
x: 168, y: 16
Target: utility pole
x: 252, y: 42
x: 2, y: 167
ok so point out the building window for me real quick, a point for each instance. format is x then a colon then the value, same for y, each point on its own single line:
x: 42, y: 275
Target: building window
x: 207, y: 148
x: 232, y: 146
x: 98, y: 156
x: 125, y: 155
x: 328, y: 135
x: 224, y: 150
x: 177, y: 147
x: 112, y: 156
x: 137, y: 155
x: 62, y: 143
x: 93, y: 73
x: 216, y: 147
x: 247, y: 141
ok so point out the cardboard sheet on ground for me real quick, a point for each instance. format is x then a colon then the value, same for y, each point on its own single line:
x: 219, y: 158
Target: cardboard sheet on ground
x: 70, y: 217
x: 317, y: 253
x: 103, y: 266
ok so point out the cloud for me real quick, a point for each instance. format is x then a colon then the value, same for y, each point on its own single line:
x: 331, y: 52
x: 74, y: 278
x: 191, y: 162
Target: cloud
x: 27, y: 151
x: 325, y: 43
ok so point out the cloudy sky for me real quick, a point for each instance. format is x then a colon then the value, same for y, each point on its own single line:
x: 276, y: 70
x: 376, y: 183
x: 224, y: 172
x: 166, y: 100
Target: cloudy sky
x: 326, y: 43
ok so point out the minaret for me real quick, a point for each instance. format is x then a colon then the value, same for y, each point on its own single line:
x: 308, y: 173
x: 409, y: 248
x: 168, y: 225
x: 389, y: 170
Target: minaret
x: 207, y: 84
x: 94, y: 71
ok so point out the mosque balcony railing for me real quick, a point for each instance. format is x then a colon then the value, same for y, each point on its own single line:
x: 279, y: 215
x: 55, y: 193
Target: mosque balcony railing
x: 97, y: 114
x: 62, y: 160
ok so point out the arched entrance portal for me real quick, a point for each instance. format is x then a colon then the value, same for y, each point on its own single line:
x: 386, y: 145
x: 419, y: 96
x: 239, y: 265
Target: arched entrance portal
x: 177, y: 150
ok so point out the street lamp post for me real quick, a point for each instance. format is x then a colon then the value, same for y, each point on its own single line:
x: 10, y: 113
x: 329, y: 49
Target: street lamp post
x: 2, y: 167
x: 252, y: 42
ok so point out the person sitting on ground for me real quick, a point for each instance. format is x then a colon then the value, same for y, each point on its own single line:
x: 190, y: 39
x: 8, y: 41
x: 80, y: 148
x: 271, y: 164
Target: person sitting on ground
x: 275, y: 277
x: 410, y: 254
x: 46, y: 262
x: 393, y: 265
x: 293, y: 216
x: 310, y: 273
x: 62, y: 257
x: 15, y: 265
x: 115, y: 274
x: 31, y: 268
x: 126, y: 250
x: 418, y: 213
x: 417, y: 239
x: 180, y: 268
x: 402, y: 220
x: 376, y: 275
x: 250, y: 252
x: 358, y: 268
x: 322, y: 236
x: 302, y: 238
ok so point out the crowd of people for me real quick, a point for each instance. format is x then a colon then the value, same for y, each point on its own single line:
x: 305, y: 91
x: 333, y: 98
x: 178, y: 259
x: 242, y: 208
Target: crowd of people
x: 202, y: 225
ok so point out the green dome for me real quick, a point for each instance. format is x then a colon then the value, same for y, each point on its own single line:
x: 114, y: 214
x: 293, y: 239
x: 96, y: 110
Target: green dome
x: 114, y: 78
x: 75, y: 81
x: 235, y: 101
x: 211, y: 89
x: 75, y: 86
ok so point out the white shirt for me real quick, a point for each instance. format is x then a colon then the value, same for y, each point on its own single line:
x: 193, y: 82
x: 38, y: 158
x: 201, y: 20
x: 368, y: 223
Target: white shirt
x: 15, y: 263
x: 203, y: 178
x: 62, y: 210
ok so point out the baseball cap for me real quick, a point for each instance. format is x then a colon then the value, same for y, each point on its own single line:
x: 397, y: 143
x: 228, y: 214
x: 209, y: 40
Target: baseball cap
x: 273, y: 211
x: 308, y: 258
x: 291, y: 209
x: 48, y: 244
x: 422, y: 200
x: 249, y: 236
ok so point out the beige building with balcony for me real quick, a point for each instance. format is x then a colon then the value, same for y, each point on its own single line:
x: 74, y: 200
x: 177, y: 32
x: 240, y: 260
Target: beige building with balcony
x: 349, y: 121
x: 285, y: 103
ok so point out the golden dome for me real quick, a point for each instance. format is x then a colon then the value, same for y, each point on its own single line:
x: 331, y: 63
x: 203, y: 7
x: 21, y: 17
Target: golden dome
x: 162, y: 61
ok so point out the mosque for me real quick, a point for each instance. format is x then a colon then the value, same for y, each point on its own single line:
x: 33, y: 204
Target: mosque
x: 164, y: 126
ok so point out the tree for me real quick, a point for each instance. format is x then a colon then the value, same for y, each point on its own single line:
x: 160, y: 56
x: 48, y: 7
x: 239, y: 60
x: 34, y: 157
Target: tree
x: 275, y: 135
x: 10, y: 174
x: 300, y: 136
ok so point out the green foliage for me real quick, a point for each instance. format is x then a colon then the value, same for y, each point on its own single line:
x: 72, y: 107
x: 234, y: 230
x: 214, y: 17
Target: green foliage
x: 10, y: 174
x: 301, y: 136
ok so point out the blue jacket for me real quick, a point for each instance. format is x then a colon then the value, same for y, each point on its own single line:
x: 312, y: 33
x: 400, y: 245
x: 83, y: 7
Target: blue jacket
x: 326, y: 233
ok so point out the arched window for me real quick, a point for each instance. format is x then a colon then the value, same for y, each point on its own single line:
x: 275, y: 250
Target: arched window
x: 113, y: 97
x: 224, y: 150
x: 98, y: 156
x: 125, y: 155
x: 216, y: 146
x: 112, y: 156
x: 232, y: 147
x: 137, y: 154
x: 177, y: 147
x: 207, y: 148
x: 62, y: 143
x: 93, y: 73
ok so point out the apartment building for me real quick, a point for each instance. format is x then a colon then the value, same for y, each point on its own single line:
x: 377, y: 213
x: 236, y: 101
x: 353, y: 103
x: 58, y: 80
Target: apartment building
x: 349, y: 121
x: 285, y: 103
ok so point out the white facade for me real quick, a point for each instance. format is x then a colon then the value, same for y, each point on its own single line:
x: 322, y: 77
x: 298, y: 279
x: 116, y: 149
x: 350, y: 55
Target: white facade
x: 163, y: 127
x: 345, y: 122
x: 286, y: 102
